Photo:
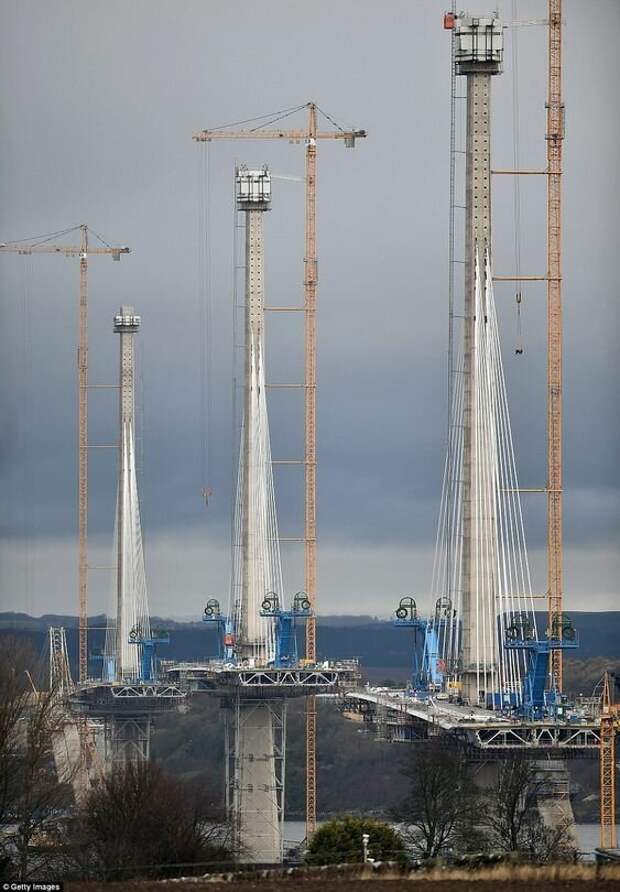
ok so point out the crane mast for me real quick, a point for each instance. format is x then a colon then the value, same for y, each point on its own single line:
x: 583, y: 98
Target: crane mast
x: 83, y: 461
x: 609, y: 724
x: 310, y: 135
x: 555, y: 136
x: 310, y: 285
x: 43, y: 246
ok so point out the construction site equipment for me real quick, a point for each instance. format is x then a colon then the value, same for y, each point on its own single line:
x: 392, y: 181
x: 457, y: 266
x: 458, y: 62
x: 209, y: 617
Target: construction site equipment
x: 46, y: 245
x: 285, y: 625
x: 610, y: 724
x: 147, y: 646
x: 428, y: 669
x: 537, y: 703
x: 309, y: 135
x: 555, y: 138
x: 225, y: 638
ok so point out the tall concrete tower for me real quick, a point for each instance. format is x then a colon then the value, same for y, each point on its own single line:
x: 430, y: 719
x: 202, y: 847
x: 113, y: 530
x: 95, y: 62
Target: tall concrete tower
x: 254, y: 787
x: 478, y: 57
x: 129, y: 693
x: 255, y: 636
x: 132, y: 615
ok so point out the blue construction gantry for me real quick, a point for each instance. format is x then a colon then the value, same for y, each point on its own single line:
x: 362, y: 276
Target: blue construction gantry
x: 285, y: 625
x: 225, y: 638
x: 536, y: 702
x: 285, y: 621
x: 149, y: 643
x: 428, y: 671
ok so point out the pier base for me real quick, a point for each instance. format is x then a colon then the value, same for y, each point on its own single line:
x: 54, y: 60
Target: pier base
x: 127, y: 739
x: 256, y: 732
x: 554, y: 805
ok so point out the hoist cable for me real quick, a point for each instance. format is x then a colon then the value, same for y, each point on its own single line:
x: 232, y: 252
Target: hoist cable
x: 204, y: 327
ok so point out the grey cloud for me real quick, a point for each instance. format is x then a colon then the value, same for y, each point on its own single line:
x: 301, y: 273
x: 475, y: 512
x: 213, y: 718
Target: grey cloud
x: 97, y: 127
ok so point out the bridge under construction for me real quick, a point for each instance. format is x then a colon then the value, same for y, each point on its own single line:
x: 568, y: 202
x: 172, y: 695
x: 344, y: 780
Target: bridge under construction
x: 485, y: 677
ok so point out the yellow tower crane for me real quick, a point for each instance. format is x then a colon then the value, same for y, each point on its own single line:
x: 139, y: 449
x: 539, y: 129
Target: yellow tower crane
x: 610, y: 724
x: 309, y: 136
x: 45, y: 245
x: 555, y: 137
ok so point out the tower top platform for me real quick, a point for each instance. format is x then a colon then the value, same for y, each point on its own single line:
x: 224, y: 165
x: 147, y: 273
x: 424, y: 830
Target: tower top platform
x: 126, y: 320
x: 479, y: 44
x: 253, y: 189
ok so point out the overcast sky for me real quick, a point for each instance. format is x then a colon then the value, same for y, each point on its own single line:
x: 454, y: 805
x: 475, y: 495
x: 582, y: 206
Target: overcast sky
x: 98, y: 106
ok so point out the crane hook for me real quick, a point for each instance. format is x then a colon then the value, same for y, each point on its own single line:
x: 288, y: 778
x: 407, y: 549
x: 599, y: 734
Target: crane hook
x: 519, y: 347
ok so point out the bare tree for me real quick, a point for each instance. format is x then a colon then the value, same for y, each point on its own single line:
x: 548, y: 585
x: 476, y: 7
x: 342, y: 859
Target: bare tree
x: 33, y: 804
x: 512, y: 819
x: 13, y: 702
x: 440, y: 810
x: 140, y: 821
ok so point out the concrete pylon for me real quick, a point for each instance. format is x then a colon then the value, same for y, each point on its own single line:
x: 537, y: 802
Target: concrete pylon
x: 131, y: 607
x: 255, y: 783
x: 479, y: 51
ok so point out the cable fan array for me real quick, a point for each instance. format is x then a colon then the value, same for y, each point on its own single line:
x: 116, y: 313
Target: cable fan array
x: 257, y: 567
x: 499, y: 579
x: 131, y: 612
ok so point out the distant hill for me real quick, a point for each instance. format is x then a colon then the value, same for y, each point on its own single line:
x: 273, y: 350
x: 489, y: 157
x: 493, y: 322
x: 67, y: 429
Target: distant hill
x: 377, y: 643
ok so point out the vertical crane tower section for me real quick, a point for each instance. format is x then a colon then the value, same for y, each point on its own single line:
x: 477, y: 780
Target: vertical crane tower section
x: 609, y: 725
x: 82, y: 362
x: 478, y: 57
x: 555, y: 137
x: 310, y: 287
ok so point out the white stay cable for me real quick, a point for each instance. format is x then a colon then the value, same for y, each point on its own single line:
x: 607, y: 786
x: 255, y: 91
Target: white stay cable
x: 500, y: 578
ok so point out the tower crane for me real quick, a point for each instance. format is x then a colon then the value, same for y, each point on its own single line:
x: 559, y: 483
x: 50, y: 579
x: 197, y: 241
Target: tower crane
x: 555, y: 137
x: 45, y: 245
x: 610, y: 724
x: 309, y: 136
